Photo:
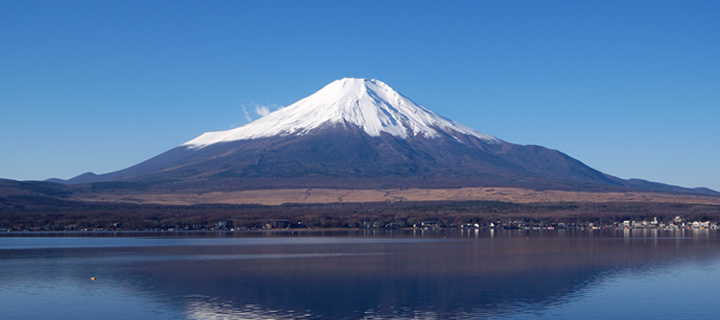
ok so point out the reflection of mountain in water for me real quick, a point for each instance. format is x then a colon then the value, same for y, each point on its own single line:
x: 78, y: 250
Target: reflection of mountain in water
x: 436, y: 278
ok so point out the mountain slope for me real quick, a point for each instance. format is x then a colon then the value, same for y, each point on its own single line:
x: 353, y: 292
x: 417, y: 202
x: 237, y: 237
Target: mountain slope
x: 357, y: 133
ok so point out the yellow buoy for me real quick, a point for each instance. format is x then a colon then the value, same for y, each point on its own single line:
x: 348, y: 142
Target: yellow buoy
x: 92, y: 278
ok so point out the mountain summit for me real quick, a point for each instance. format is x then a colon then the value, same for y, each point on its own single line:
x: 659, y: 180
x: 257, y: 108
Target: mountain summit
x: 370, y: 105
x: 357, y: 133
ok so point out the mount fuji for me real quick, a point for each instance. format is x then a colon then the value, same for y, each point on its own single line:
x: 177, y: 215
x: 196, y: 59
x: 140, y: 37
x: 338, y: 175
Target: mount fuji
x: 358, y: 133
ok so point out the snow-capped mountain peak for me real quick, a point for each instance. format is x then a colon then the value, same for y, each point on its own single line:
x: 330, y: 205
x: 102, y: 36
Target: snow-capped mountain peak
x: 371, y: 105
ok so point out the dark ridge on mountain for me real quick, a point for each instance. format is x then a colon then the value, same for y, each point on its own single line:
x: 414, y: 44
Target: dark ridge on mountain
x: 25, y: 195
x: 86, y: 177
x: 55, y: 180
x: 357, y: 133
x: 641, y: 184
x: 33, y: 188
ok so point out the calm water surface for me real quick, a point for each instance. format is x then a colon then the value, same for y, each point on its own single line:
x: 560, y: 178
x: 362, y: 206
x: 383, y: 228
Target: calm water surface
x: 505, y: 274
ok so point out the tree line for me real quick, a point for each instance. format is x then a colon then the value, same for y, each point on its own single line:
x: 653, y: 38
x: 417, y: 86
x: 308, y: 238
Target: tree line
x: 58, y: 215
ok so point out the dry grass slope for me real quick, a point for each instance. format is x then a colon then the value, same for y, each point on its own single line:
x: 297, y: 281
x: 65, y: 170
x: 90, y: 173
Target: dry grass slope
x: 325, y: 196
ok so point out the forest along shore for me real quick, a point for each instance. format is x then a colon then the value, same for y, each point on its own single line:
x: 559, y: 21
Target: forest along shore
x: 66, y: 215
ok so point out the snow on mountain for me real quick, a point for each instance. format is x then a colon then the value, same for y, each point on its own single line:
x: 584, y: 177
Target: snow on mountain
x: 368, y: 104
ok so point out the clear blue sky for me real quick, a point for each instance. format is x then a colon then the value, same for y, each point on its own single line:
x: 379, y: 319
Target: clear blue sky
x: 631, y: 88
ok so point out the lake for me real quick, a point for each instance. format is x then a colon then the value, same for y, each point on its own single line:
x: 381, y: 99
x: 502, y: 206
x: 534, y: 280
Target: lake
x: 414, y: 274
